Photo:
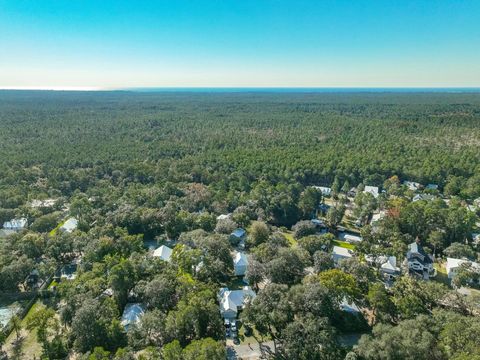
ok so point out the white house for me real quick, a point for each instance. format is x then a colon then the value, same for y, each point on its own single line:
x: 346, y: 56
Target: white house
x: 377, y: 217
x: 340, y: 253
x: 412, y: 185
x: 240, y: 263
x: 326, y: 191
x: 70, y: 225
x: 454, y: 264
x: 389, y: 268
x: 42, y: 203
x: 132, y: 314
x: 163, y: 252
x: 223, y: 216
x: 426, y: 197
x: 15, y: 224
x: 351, y: 238
x: 476, y: 238
x: 371, y: 190
x: 348, y: 306
x: 419, y: 261
x: 233, y: 301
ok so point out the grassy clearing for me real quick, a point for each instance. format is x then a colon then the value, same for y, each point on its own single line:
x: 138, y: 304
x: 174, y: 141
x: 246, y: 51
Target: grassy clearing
x: 441, y: 274
x: 344, y: 244
x: 53, y: 232
x: 29, y: 348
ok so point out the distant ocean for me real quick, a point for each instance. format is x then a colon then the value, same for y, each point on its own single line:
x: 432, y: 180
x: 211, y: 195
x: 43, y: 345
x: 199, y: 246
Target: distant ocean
x: 302, y: 90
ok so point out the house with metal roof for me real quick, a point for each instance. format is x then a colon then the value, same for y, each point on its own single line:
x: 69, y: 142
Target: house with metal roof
x: 70, y: 225
x: 240, y: 263
x: 15, y: 224
x: 233, y: 301
x: 371, y: 190
x: 163, y: 252
x: 340, y: 253
x: 132, y: 314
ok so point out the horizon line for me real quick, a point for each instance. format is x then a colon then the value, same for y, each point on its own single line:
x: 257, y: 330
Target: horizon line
x: 233, y: 88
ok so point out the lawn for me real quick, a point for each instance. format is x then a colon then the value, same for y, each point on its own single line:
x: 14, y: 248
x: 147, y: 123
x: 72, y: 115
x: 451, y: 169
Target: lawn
x: 441, y: 274
x: 52, y: 233
x: 29, y: 347
x: 344, y: 244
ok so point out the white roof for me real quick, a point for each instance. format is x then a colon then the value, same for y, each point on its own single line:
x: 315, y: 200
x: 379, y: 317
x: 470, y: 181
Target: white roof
x: 352, y: 238
x: 372, y: 190
x: 132, y: 314
x: 163, y: 252
x: 455, y: 263
x: 325, y: 190
x: 412, y: 185
x: 15, y: 224
x: 377, y: 216
x: 223, y: 216
x: 349, y: 306
x: 390, y: 264
x: 231, y: 300
x: 42, y: 203
x: 69, y: 225
x: 341, y: 251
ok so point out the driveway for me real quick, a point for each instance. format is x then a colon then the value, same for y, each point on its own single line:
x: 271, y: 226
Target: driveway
x: 251, y: 352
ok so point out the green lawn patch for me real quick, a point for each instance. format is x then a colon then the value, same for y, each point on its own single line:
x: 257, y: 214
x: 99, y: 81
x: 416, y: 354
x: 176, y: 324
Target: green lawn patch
x: 29, y: 347
x: 52, y: 233
x: 441, y: 274
x: 344, y: 244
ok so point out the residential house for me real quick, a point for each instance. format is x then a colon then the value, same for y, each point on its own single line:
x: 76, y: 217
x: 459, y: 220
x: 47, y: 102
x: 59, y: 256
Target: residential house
x: 240, y: 263
x: 420, y: 197
x: 349, y: 306
x: 374, y: 222
x: 476, y: 238
x: 371, y: 190
x: 412, y: 185
x: 132, y: 314
x: 15, y: 224
x: 224, y: 216
x: 419, y: 262
x: 238, y: 237
x: 47, y: 203
x: 389, y: 268
x: 326, y: 191
x: 163, y: 252
x: 340, y: 253
x: 233, y: 301
x: 70, y: 225
x: 350, y: 238
x: 454, y: 264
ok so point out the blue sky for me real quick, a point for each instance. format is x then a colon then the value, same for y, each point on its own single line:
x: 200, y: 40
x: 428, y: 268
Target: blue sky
x: 228, y: 43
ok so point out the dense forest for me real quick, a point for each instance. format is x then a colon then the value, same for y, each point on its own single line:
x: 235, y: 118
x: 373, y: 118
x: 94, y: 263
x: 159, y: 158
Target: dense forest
x: 140, y: 167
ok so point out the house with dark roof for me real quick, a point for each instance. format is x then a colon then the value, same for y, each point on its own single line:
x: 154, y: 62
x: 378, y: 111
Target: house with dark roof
x: 419, y: 262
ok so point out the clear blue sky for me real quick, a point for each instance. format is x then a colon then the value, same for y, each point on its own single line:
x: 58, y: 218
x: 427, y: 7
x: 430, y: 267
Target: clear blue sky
x: 317, y: 43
